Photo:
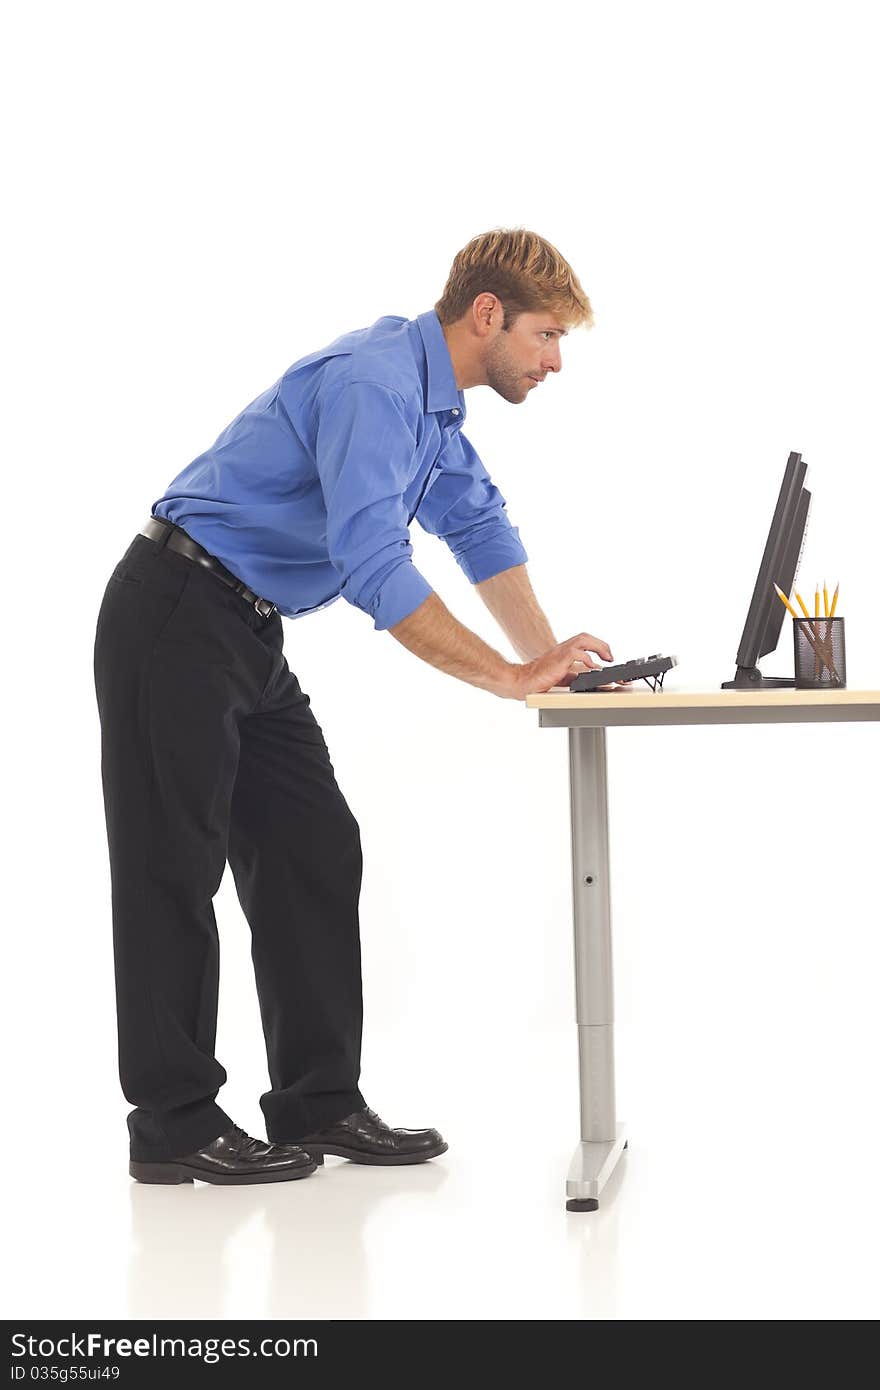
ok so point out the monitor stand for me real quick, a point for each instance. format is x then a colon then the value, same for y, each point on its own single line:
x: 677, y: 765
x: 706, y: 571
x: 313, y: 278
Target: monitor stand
x: 750, y: 678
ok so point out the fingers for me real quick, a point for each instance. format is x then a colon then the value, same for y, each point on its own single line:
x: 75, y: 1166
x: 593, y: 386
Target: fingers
x: 586, y: 642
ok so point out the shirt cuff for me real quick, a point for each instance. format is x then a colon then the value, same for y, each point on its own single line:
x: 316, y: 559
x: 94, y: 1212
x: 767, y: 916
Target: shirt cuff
x: 492, y: 555
x: 401, y: 592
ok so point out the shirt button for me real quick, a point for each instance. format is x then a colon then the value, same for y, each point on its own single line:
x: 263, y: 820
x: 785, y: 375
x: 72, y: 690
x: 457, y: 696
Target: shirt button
x: 456, y: 411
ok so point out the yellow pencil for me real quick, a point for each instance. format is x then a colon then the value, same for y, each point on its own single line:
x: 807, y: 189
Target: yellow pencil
x: 815, y: 648
x: 806, y: 610
x: 825, y: 596
x: 834, y: 601
x: 785, y: 601
x: 806, y: 613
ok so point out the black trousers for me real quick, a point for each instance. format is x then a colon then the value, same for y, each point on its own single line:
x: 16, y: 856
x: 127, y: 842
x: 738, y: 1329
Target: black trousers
x: 210, y: 751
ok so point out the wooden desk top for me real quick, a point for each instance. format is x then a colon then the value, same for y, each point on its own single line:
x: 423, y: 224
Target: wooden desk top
x: 638, y: 705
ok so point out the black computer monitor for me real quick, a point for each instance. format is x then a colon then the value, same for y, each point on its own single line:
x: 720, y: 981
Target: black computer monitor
x: 782, y: 555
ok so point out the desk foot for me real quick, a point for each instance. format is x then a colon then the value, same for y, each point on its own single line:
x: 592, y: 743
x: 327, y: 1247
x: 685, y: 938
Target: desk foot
x: 591, y: 1166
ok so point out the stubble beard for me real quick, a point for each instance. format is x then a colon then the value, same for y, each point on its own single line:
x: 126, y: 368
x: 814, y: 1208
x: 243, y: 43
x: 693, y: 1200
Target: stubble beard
x: 502, y: 374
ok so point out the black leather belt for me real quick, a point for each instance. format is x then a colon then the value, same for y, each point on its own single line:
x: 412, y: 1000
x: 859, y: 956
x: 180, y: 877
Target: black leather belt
x: 176, y: 539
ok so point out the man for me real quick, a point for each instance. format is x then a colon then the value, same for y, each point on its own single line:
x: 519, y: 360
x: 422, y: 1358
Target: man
x: 210, y: 750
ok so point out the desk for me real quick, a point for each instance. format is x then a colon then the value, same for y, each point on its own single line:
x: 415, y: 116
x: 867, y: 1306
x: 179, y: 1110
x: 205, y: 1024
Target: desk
x: 587, y: 717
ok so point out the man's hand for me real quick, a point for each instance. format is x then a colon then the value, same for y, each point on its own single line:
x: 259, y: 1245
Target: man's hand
x: 555, y: 667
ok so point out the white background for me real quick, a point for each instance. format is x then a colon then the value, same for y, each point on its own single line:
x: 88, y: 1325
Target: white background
x: 199, y: 194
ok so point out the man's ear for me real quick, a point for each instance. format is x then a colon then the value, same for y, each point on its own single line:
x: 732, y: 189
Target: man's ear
x: 488, y: 313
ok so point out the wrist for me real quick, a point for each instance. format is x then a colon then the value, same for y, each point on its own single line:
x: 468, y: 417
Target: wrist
x: 512, y: 686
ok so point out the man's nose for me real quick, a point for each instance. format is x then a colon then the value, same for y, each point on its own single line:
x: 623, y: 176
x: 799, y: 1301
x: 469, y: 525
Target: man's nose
x: 552, y: 361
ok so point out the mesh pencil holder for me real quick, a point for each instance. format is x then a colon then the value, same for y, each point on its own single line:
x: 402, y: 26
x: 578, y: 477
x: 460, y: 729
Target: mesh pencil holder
x: 819, y: 654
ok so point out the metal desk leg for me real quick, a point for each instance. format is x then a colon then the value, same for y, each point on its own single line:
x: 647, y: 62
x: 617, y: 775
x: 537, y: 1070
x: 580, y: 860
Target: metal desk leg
x: 602, y: 1139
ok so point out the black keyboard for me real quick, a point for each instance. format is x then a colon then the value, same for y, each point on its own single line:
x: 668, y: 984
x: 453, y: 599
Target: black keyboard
x: 642, y: 668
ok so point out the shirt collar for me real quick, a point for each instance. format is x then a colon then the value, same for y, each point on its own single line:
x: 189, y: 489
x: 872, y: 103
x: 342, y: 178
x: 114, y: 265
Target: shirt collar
x: 443, y: 394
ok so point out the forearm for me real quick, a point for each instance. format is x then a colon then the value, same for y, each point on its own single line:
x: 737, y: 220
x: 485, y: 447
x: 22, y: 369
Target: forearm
x: 511, y: 601
x: 432, y: 633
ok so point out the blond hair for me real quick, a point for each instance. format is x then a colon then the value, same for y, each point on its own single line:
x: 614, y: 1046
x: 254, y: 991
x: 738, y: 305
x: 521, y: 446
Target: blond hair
x: 526, y: 273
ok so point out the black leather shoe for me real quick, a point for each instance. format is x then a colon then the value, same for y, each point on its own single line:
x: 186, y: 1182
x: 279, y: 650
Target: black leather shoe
x: 234, y: 1157
x: 364, y: 1138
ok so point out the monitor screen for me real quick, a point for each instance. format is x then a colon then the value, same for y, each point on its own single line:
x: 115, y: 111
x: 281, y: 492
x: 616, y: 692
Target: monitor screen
x: 779, y: 565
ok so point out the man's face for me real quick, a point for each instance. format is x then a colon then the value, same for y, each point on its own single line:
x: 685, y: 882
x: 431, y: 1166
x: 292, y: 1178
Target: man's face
x: 518, y: 360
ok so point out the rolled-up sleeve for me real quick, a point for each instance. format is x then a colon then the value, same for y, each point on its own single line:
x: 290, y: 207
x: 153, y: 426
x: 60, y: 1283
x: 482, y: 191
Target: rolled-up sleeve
x: 366, y: 457
x: 464, y: 506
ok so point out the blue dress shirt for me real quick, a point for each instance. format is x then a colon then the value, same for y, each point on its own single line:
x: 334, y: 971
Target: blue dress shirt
x: 309, y: 493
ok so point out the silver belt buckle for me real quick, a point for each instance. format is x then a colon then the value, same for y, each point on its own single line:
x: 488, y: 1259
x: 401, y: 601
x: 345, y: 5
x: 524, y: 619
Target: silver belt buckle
x: 264, y: 607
